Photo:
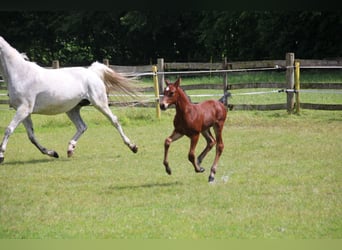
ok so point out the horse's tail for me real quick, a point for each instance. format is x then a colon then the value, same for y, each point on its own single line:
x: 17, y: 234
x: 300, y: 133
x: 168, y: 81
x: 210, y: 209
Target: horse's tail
x: 113, y: 80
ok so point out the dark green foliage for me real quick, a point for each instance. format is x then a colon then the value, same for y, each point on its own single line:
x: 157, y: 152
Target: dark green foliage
x: 140, y: 37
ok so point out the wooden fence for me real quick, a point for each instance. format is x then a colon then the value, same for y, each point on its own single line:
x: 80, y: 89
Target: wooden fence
x: 225, y: 67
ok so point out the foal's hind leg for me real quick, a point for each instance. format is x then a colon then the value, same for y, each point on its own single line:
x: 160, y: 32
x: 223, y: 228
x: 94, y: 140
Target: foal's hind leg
x: 210, y: 143
x: 191, y: 155
x: 219, y: 149
x: 29, y: 129
x: 75, y: 117
x: 114, y: 120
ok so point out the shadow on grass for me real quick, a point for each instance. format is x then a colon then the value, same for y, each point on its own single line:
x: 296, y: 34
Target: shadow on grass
x: 34, y: 161
x: 146, y: 185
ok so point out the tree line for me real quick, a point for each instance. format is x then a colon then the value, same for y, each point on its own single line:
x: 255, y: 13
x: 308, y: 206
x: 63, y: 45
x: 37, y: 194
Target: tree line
x: 140, y: 37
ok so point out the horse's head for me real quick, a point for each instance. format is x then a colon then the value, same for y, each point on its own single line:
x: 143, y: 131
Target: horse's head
x: 170, y: 94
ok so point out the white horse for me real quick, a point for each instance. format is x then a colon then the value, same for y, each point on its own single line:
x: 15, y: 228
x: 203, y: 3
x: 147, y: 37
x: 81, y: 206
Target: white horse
x: 36, y: 90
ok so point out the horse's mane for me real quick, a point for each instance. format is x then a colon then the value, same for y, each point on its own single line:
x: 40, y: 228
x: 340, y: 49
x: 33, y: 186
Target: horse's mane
x: 23, y: 55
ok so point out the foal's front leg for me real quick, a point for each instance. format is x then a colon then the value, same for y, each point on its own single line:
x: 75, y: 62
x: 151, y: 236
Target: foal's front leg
x: 173, y: 137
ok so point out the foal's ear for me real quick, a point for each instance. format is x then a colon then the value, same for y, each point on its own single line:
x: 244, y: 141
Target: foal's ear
x: 167, y: 82
x: 177, y: 83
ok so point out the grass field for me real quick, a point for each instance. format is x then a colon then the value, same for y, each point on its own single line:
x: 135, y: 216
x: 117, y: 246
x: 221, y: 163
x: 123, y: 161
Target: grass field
x: 279, y: 177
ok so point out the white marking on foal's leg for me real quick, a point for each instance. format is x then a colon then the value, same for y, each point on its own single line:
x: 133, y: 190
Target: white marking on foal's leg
x: 71, y: 148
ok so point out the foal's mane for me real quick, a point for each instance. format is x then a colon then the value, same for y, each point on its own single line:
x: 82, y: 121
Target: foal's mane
x: 186, y: 94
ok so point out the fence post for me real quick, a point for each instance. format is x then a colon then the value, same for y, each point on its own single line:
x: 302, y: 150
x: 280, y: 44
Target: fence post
x: 156, y: 89
x: 290, y: 81
x: 55, y: 64
x: 105, y: 62
x: 225, y: 81
x: 161, y: 78
x: 297, y: 85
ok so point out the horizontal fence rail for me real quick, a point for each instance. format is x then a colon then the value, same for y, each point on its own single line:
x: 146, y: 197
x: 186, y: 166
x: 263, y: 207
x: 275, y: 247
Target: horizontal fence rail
x: 223, y: 69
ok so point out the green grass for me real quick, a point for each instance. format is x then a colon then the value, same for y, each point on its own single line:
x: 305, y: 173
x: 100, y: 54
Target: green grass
x: 279, y: 177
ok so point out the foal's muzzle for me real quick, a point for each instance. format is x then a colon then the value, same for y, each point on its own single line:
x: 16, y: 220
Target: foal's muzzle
x: 163, y: 106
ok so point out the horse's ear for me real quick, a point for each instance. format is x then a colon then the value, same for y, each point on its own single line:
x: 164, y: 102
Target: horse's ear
x: 167, y: 82
x: 177, y: 83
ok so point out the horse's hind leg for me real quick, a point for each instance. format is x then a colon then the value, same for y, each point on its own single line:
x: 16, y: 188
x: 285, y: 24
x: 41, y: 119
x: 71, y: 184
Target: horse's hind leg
x: 75, y: 117
x: 219, y: 149
x: 30, y: 133
x: 114, y: 120
x: 210, y: 143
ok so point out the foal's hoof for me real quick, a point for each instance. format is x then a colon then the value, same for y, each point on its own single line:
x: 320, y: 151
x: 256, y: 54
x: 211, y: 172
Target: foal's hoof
x: 211, y: 179
x: 168, y: 171
x: 2, y: 159
x: 201, y: 170
x: 134, y: 148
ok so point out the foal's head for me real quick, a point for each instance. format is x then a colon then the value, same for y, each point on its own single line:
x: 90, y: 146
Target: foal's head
x: 170, y: 94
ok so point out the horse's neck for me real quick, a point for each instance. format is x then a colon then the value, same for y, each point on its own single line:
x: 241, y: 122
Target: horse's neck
x: 11, y: 62
x: 183, y: 102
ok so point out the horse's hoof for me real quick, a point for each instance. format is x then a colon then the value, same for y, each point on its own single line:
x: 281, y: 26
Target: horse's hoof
x: 134, y: 148
x: 52, y: 154
x: 2, y: 159
x: 70, y: 153
x: 211, y: 179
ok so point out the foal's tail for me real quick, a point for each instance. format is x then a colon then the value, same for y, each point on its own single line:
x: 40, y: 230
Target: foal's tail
x: 113, y: 80
x: 224, y: 99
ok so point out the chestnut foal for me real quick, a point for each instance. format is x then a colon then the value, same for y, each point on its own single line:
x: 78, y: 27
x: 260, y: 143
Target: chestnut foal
x: 191, y: 120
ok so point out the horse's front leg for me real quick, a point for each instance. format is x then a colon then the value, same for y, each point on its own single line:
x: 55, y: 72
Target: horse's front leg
x: 29, y: 129
x: 191, y: 155
x: 20, y: 115
x: 9, y: 130
x: 173, y: 137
